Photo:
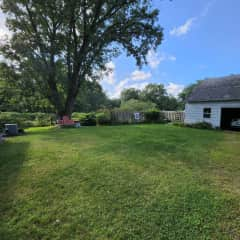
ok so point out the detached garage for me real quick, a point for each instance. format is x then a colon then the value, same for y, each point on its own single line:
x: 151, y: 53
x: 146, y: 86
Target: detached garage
x: 216, y: 101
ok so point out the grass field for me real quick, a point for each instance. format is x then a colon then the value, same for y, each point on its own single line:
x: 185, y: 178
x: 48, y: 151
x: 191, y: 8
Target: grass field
x: 121, y: 182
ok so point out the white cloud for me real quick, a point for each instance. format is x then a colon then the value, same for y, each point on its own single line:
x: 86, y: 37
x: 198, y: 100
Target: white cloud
x: 110, y: 65
x: 167, y: 57
x: 186, y: 27
x: 138, y: 75
x: 130, y: 82
x: 126, y: 83
x: 154, y: 59
x: 116, y: 92
x: 207, y: 8
x: 139, y: 86
x: 172, y: 58
x: 174, y: 89
x: 183, y: 29
x: 122, y: 83
x: 4, y: 32
x: 108, y: 76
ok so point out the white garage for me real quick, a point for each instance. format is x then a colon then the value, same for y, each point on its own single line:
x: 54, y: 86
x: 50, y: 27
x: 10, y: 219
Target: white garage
x: 216, y: 101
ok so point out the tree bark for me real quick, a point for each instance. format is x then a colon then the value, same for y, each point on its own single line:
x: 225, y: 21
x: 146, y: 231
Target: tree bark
x: 71, y: 97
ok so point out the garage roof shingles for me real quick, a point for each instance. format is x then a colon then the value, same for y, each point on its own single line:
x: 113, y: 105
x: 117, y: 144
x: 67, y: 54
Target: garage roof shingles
x: 217, y: 89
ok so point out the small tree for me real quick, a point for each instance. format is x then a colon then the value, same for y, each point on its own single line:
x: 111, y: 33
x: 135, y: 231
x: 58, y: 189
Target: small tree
x: 61, y: 43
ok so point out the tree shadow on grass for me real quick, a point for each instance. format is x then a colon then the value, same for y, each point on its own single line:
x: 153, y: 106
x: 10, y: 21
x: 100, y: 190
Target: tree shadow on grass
x: 12, y: 157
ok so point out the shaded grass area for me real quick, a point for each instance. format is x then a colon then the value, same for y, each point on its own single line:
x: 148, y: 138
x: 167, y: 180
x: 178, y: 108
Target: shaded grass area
x: 121, y: 182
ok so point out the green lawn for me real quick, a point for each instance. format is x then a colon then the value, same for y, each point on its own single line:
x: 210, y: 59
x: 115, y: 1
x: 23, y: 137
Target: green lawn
x: 121, y: 182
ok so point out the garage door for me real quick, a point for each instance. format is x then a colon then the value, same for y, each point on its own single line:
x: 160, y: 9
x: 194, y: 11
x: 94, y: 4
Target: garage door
x: 228, y: 114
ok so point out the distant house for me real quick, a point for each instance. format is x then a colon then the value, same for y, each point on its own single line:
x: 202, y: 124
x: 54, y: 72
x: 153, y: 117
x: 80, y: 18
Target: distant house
x: 216, y: 101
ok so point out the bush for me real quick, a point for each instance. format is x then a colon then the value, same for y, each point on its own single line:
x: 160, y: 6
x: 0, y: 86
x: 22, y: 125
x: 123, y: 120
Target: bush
x: 77, y: 116
x: 25, y: 120
x: 85, y: 119
x: 154, y: 116
x: 179, y: 124
x: 201, y: 125
x: 103, y: 118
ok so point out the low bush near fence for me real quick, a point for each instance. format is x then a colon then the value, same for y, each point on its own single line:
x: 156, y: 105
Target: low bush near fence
x: 154, y: 117
x: 85, y: 119
x: 25, y: 120
x: 199, y: 125
x: 179, y: 124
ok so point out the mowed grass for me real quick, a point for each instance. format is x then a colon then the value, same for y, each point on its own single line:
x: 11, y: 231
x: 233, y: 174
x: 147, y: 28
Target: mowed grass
x: 120, y: 182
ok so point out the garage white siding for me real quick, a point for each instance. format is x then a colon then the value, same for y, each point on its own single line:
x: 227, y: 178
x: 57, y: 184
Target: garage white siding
x: 194, y: 111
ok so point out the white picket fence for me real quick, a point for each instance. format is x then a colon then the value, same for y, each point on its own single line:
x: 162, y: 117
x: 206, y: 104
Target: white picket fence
x: 174, y: 116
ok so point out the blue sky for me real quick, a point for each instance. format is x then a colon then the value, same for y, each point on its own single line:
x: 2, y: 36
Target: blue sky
x: 201, y: 39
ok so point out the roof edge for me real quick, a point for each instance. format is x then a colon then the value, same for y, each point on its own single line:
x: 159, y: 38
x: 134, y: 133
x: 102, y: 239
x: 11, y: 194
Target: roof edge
x: 220, y: 100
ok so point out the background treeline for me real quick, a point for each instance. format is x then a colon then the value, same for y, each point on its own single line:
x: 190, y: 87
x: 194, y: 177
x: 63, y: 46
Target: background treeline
x: 18, y: 93
x: 153, y: 96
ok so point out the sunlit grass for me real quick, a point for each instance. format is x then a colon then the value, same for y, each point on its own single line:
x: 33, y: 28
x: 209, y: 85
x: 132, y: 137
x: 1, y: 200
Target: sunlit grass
x: 121, y: 182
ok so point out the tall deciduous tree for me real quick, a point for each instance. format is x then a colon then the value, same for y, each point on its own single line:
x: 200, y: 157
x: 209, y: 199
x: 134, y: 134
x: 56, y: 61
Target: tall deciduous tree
x: 64, y: 42
x: 130, y: 93
x: 155, y: 93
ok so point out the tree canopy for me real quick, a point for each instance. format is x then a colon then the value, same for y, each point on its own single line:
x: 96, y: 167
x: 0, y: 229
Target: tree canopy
x: 60, y: 44
x: 183, y: 96
x: 130, y: 93
x: 154, y: 94
x: 137, y: 105
x: 18, y: 94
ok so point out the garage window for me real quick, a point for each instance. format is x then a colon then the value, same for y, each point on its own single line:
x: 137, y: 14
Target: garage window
x: 207, y: 112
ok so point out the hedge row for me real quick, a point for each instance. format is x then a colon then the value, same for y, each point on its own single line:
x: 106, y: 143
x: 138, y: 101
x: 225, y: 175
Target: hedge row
x: 25, y: 120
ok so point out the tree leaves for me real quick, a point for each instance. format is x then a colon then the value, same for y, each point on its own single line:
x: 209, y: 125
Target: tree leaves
x: 79, y: 36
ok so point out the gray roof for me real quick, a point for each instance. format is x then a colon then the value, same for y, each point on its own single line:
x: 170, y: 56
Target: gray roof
x: 217, y: 89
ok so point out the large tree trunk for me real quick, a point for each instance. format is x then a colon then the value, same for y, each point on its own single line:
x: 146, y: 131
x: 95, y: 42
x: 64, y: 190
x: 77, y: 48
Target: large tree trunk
x: 74, y: 85
x: 69, y: 106
x: 55, y: 98
x: 70, y: 101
